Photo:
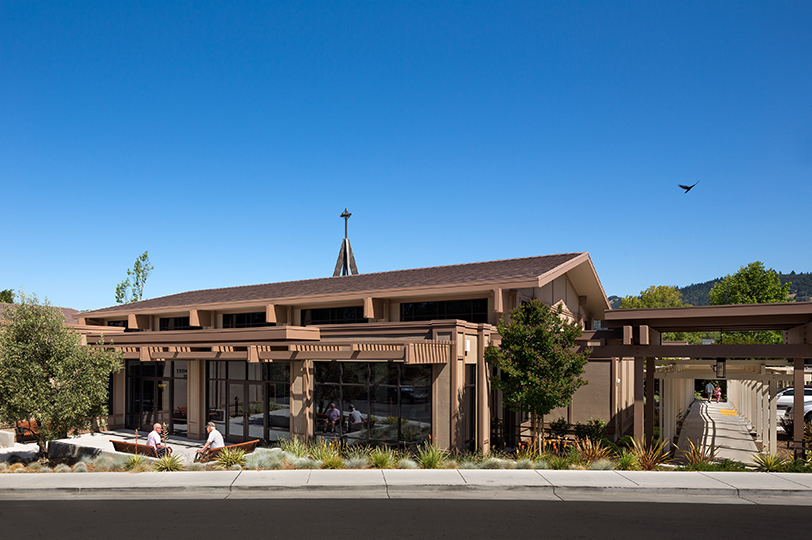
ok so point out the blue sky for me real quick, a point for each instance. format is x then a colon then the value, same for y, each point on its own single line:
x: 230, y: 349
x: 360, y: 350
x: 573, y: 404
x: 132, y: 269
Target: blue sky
x: 226, y: 138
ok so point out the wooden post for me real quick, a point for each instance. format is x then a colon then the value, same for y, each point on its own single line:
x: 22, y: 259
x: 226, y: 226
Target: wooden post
x: 798, y: 406
x: 638, y: 398
x: 649, y: 400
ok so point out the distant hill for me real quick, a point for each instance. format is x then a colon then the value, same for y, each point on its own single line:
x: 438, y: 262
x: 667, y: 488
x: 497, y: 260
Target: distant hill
x: 697, y: 294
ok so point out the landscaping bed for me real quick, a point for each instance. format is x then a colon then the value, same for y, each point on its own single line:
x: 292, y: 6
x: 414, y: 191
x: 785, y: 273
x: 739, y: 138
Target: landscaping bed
x: 295, y: 454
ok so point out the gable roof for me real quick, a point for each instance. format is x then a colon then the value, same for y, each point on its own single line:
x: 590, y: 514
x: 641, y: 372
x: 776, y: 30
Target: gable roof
x: 459, y: 274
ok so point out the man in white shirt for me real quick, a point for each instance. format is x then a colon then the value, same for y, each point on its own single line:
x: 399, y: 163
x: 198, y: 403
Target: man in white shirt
x: 214, y: 441
x: 154, y: 440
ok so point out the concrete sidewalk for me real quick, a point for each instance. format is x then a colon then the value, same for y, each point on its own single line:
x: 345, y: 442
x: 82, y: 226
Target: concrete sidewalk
x: 716, y: 424
x: 549, y: 485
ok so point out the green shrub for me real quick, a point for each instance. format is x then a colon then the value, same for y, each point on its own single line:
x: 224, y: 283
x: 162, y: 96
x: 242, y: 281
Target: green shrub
x: 306, y: 463
x: 559, y: 428
x: 169, y: 463
x: 105, y: 463
x: 594, y: 429
x: 383, y: 457
x: 626, y: 461
x: 231, y: 456
x: 496, y: 463
x: 35, y: 466
x: 195, y: 467
x: 430, y: 456
x: 523, y: 464
x: 558, y: 462
x: 356, y: 463
x: 80, y: 467
x: 541, y: 463
x: 62, y: 468
x: 268, y: 459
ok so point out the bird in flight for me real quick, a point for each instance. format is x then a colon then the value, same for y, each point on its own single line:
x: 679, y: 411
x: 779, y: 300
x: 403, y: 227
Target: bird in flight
x: 688, y: 188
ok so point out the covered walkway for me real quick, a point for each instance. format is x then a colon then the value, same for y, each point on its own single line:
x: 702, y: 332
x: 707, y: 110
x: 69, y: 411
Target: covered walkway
x: 717, y: 424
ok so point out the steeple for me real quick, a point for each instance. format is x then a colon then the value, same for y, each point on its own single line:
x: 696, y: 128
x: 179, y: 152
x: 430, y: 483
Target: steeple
x: 346, y: 260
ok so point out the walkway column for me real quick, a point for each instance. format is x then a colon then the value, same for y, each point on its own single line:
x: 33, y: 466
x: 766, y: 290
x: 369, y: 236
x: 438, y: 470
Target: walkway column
x: 764, y: 412
x: 773, y: 435
x: 798, y: 406
x: 760, y: 404
x: 650, y: 400
x: 638, y: 398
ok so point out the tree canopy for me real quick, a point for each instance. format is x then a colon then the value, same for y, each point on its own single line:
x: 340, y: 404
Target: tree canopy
x: 752, y: 284
x: 539, y: 370
x: 7, y: 296
x: 654, y: 297
x: 48, y: 375
x: 133, y: 291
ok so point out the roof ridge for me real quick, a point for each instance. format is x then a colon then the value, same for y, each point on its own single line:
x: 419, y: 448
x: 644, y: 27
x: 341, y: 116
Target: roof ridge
x: 345, y: 279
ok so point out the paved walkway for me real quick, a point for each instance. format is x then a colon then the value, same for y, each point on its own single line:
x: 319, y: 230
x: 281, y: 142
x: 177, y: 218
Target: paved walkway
x: 716, y: 424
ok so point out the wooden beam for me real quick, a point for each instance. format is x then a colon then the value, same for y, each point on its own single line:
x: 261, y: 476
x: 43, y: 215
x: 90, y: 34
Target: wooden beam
x: 704, y: 351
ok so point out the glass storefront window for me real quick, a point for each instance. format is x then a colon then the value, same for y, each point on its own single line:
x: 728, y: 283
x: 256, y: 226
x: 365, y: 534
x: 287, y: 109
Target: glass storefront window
x: 253, y: 402
x: 377, y: 401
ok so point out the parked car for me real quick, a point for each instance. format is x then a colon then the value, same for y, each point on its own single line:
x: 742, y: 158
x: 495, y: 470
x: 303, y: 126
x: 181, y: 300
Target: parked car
x: 786, y: 398
x: 807, y: 411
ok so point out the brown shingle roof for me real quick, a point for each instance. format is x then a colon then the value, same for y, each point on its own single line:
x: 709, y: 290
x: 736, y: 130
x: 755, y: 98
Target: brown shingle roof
x: 525, y: 268
x: 71, y: 315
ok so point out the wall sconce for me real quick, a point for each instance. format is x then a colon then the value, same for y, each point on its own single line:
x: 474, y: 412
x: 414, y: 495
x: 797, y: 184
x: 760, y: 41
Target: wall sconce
x: 719, y: 368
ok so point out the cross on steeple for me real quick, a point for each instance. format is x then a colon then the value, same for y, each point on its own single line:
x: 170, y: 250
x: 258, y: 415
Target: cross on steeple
x: 346, y: 215
x: 346, y: 260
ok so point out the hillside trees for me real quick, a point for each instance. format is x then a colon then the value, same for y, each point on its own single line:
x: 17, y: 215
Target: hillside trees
x: 658, y: 296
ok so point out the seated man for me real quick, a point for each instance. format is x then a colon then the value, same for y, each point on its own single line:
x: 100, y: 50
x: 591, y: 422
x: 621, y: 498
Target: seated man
x: 355, y: 419
x: 214, y: 441
x: 154, y: 440
x: 333, y: 415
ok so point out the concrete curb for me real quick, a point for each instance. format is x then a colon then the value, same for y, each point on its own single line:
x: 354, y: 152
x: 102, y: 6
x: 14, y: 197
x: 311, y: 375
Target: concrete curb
x: 608, y: 486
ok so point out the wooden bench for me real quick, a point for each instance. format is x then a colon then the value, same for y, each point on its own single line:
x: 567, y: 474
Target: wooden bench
x: 247, y: 447
x: 26, y: 431
x: 133, y: 448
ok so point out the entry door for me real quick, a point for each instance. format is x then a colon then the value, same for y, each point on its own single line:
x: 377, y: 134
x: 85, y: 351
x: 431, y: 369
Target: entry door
x: 152, y: 402
x: 246, y: 412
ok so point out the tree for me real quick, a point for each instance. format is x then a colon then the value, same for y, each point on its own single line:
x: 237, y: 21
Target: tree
x: 128, y: 291
x: 539, y: 368
x: 7, y: 296
x: 752, y: 284
x: 659, y: 296
x: 47, y: 375
x: 654, y: 297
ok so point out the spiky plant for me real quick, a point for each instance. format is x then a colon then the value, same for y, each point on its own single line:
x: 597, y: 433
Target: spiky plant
x: 696, y: 455
x: 650, y: 456
x: 430, y: 456
x: 229, y: 457
x: 169, y: 463
x: 296, y: 446
x: 134, y: 462
x: 591, y: 450
x: 769, y: 462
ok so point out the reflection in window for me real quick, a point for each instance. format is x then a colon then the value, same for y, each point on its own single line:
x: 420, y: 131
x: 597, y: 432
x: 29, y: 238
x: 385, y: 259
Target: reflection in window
x: 339, y: 315
x: 376, y: 401
x: 475, y: 311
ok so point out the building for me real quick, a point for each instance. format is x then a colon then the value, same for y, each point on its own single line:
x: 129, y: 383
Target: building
x: 399, y: 354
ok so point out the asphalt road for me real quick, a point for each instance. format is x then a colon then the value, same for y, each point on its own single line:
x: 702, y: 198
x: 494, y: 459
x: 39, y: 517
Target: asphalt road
x: 398, y: 519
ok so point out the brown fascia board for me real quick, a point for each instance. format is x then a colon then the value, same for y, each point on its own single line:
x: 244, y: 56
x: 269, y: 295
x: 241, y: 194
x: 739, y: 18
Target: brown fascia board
x: 582, y: 271
x: 357, y: 297
x: 732, y: 317
x: 214, y: 336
